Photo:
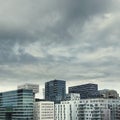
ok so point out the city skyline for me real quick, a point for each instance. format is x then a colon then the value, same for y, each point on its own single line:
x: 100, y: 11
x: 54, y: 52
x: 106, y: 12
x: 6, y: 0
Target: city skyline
x: 76, y: 41
x: 23, y: 104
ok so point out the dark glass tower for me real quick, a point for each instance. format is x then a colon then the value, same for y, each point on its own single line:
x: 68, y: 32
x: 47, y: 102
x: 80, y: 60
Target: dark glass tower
x: 55, y: 90
x: 86, y: 90
x: 16, y: 105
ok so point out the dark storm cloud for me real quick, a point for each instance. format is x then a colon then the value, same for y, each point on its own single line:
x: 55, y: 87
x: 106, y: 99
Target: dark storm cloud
x: 31, y: 20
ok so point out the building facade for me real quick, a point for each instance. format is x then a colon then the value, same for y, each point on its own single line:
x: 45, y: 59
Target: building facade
x: 55, y: 90
x: 16, y: 105
x: 88, y: 109
x: 86, y: 91
x: 68, y: 110
x: 43, y: 110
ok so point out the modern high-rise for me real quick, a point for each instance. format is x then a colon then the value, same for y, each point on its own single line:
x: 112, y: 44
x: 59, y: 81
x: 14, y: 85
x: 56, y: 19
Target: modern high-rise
x: 86, y: 90
x: 55, y: 90
x: 16, y: 105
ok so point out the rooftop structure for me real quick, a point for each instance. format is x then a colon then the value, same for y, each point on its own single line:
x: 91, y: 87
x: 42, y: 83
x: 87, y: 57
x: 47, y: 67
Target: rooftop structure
x: 34, y: 87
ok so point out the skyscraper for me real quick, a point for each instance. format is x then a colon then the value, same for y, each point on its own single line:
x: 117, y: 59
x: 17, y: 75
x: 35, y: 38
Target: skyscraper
x: 55, y: 90
x: 86, y: 91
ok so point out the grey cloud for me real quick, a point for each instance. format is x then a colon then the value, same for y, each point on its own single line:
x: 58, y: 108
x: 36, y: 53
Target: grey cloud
x: 31, y: 21
x: 59, y: 39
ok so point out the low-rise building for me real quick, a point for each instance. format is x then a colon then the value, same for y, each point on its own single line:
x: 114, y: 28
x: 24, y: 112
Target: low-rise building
x: 68, y: 109
x: 88, y: 109
x: 43, y: 110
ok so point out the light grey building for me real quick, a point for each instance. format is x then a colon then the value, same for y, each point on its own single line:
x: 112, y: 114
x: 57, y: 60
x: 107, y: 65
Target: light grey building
x: 43, y: 110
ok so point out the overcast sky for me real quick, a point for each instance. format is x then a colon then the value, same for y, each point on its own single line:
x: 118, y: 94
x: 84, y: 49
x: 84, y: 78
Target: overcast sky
x: 73, y: 40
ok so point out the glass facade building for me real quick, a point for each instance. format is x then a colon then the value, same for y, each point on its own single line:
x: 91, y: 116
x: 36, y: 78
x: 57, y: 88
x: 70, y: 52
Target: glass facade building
x: 86, y: 91
x: 55, y: 90
x: 16, y: 105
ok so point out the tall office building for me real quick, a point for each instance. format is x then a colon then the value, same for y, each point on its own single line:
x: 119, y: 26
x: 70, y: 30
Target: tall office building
x: 55, y: 90
x: 86, y: 90
x: 16, y: 105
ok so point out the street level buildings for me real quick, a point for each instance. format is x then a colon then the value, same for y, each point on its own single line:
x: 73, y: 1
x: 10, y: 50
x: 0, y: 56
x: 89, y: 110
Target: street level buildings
x: 68, y: 110
x: 88, y: 109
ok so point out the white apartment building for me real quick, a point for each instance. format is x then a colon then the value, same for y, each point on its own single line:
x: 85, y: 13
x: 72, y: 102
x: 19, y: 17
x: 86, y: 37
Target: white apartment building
x: 43, y: 110
x: 93, y: 109
x: 88, y: 109
x: 68, y: 110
